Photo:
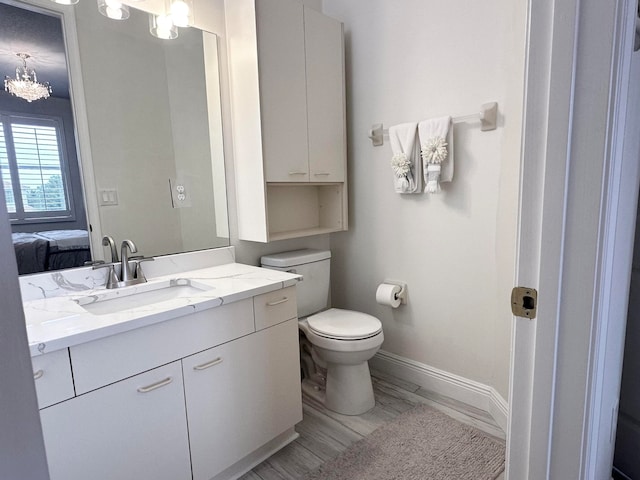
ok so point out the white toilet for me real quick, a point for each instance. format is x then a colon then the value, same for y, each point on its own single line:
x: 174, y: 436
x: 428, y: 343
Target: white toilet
x: 343, y: 340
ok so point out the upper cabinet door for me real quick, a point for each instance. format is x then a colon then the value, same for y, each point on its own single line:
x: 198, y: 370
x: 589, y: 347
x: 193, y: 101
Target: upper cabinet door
x: 283, y: 97
x: 325, y: 97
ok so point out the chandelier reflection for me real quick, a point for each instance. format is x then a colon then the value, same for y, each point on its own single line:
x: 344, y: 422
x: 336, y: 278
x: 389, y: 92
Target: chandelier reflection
x: 26, y: 84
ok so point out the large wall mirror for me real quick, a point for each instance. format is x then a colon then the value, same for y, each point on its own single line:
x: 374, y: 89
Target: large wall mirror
x: 129, y: 143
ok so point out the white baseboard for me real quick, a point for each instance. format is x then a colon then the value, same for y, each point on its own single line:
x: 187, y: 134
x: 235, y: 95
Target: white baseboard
x: 444, y: 383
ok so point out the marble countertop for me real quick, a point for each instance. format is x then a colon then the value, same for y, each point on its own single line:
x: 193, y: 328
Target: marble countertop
x: 61, y: 322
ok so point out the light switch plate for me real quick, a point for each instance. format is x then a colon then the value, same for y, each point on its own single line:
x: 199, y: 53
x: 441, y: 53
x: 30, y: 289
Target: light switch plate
x: 108, y: 196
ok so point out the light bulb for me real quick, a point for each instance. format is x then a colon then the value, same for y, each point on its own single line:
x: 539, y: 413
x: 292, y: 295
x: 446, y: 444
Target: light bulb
x: 179, y: 9
x: 164, y: 22
x: 113, y: 9
x: 162, y: 26
x: 114, y: 13
x: 180, y: 12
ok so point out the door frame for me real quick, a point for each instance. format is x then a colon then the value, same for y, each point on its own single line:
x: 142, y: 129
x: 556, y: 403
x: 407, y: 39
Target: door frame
x: 575, y: 185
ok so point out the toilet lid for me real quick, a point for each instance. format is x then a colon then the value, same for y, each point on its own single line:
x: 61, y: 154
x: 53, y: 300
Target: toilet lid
x: 344, y: 324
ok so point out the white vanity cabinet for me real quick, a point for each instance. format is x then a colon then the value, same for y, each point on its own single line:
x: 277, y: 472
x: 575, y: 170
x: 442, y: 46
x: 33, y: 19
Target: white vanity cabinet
x: 131, y: 430
x: 199, y: 396
x: 235, y: 403
x: 287, y: 90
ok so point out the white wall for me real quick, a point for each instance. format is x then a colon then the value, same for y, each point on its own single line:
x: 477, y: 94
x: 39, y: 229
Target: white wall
x: 409, y: 60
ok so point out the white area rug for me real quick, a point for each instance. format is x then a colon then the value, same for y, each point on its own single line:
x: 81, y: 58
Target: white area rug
x: 420, y: 444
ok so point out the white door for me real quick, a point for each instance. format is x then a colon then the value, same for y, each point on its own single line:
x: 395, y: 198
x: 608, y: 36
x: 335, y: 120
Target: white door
x: 573, y: 239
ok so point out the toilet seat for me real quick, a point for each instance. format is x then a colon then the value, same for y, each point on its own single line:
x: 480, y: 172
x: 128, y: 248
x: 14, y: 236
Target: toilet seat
x: 338, y: 324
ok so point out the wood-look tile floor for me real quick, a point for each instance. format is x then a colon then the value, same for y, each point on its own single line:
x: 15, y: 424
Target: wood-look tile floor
x: 324, y: 434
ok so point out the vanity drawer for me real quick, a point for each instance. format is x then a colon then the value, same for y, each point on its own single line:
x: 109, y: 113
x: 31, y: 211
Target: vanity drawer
x: 275, y: 307
x: 52, y: 376
x: 113, y: 358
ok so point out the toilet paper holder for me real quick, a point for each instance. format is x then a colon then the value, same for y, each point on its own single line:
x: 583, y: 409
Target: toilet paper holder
x: 402, y: 294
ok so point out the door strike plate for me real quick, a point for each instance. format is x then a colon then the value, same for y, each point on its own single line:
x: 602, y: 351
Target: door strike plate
x: 524, y: 302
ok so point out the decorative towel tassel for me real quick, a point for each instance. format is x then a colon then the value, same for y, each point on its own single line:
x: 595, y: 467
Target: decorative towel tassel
x: 402, y: 169
x: 434, y: 152
x: 433, y: 179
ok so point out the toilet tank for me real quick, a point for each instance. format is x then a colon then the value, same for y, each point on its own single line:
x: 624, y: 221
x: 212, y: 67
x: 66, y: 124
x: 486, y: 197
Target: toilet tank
x: 314, y: 266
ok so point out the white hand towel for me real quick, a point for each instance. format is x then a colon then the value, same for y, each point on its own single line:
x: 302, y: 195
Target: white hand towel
x: 406, y: 158
x: 436, y: 139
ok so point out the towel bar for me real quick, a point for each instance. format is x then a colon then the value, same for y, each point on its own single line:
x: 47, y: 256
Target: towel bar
x: 488, y: 116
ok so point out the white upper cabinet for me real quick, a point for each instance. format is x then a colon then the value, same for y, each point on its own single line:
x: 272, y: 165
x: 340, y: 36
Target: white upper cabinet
x: 300, y: 60
x: 325, y: 97
x: 283, y: 91
x: 286, y: 65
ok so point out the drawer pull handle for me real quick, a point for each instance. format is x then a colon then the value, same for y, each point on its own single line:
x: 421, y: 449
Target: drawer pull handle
x: 204, y: 366
x: 297, y: 173
x: 277, y: 302
x: 156, y: 385
x: 38, y: 374
x: 322, y: 174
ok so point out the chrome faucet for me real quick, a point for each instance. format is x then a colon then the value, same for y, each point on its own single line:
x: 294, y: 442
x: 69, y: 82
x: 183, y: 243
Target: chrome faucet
x: 128, y: 275
x: 125, y: 270
x: 107, y: 241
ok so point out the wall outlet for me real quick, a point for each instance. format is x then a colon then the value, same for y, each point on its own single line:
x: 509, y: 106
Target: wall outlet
x: 180, y: 192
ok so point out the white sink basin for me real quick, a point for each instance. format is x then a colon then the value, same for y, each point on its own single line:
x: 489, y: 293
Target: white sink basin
x: 128, y: 298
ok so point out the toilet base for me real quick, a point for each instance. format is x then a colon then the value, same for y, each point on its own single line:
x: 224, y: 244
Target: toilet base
x: 349, y: 390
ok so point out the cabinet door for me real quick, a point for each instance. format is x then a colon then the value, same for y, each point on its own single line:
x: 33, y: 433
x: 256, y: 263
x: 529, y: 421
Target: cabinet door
x: 134, y: 429
x: 52, y: 375
x: 325, y: 97
x: 240, y: 396
x: 283, y: 98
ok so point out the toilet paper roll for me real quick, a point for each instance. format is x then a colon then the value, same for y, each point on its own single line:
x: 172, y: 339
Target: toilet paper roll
x: 388, y: 295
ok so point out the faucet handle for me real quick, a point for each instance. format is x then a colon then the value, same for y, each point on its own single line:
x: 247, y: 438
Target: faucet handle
x: 93, y: 263
x: 141, y: 258
x: 112, y: 277
x: 102, y: 264
x: 138, y: 273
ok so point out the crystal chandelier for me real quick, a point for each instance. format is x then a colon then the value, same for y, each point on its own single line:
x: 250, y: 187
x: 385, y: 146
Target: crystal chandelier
x: 26, y: 84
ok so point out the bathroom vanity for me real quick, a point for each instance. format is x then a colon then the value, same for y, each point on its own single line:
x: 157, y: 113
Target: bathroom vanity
x: 203, y: 383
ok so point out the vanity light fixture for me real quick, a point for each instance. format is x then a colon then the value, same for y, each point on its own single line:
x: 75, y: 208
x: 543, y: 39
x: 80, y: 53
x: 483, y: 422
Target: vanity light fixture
x: 65, y: 2
x: 113, y: 9
x: 181, y: 12
x: 26, y: 84
x: 162, y: 26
